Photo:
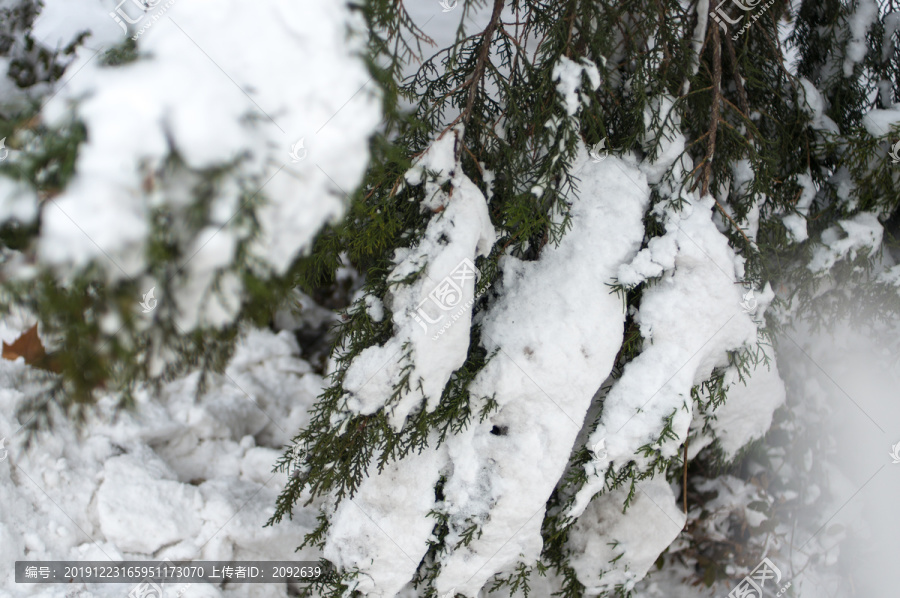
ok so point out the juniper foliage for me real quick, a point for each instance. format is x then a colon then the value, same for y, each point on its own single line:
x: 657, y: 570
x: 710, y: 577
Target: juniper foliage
x: 738, y: 98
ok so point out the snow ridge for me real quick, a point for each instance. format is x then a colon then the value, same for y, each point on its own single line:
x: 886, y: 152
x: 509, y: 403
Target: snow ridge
x: 432, y: 315
x: 555, y: 332
x: 680, y: 351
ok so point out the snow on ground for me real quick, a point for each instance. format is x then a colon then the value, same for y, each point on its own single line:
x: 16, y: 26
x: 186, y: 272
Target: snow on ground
x: 181, y: 478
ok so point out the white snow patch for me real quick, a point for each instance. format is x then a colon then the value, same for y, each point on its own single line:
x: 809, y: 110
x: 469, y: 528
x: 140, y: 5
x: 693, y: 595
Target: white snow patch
x: 384, y: 529
x: 556, y: 330
x: 680, y: 350
x: 568, y: 75
x: 879, y: 122
x: 181, y: 478
x: 862, y: 232
x: 652, y: 522
x: 860, y: 21
x: 432, y: 315
x: 195, y: 92
x: 746, y: 415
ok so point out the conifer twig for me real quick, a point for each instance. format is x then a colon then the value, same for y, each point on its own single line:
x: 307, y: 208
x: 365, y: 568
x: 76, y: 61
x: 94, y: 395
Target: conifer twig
x: 684, y: 483
x: 481, y: 61
x: 714, y: 116
x: 714, y: 126
x: 742, y: 93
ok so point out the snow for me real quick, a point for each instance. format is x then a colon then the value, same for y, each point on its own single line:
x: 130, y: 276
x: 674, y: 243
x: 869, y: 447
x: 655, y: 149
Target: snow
x: 861, y: 233
x: 195, y: 92
x: 18, y: 202
x: 731, y: 493
x: 555, y: 326
x: 796, y: 222
x: 431, y: 315
x: 141, y: 505
x: 679, y: 350
x: 502, y: 481
x: 664, y: 138
x: 861, y: 20
x: 568, y: 75
x: 796, y: 227
x: 637, y: 537
x: 879, y: 123
x: 891, y: 25
x: 747, y: 413
x: 813, y: 103
x: 367, y: 533
x: 181, y: 478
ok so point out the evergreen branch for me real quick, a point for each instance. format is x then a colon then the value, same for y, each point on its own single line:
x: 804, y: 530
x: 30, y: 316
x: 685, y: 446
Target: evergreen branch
x: 714, y: 117
x: 475, y: 81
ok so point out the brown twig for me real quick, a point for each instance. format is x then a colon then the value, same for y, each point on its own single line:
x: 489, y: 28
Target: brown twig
x: 481, y: 62
x: 714, y: 116
x: 684, y: 483
x: 742, y: 93
x: 733, y: 223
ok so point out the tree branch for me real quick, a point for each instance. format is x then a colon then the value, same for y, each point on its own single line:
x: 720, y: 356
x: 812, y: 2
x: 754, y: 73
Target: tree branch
x: 714, y: 115
x: 481, y: 62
